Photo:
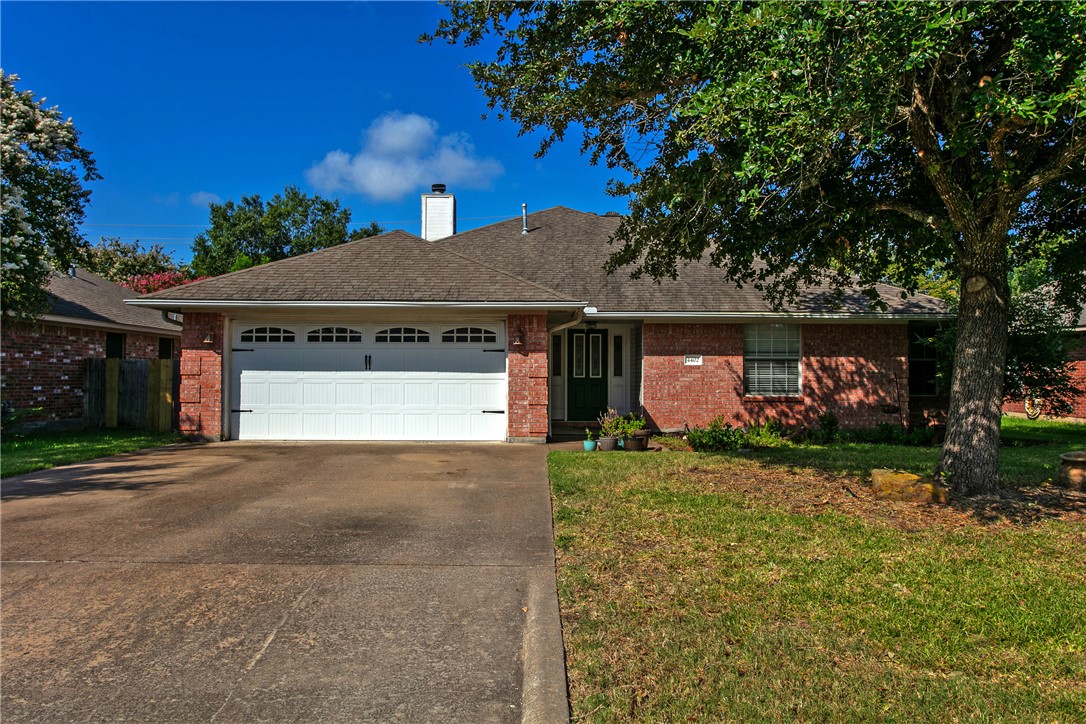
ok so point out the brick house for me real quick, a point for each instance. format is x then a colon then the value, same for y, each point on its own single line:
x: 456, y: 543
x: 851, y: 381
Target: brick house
x: 42, y: 362
x: 1078, y: 374
x: 506, y: 331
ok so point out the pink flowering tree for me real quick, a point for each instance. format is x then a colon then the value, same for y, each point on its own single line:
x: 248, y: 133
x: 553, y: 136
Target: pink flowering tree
x: 147, y: 283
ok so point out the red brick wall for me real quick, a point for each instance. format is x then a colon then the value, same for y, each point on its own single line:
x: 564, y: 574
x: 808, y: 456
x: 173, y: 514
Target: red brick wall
x: 528, y: 377
x: 201, y: 376
x: 42, y: 365
x: 849, y: 370
x: 1078, y: 378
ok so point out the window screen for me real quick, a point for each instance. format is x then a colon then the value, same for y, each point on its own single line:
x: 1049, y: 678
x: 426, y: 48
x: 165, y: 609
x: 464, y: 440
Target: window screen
x: 771, y: 359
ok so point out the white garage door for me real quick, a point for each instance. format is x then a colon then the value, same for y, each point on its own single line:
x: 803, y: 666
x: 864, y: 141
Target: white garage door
x: 368, y: 381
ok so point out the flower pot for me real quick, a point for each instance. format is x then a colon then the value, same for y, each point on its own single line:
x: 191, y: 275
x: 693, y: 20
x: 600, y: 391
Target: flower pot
x: 589, y: 445
x: 1073, y: 470
x: 637, y: 442
x: 608, y: 443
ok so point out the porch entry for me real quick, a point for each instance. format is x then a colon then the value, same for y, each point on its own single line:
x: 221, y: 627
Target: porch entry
x: 587, y: 379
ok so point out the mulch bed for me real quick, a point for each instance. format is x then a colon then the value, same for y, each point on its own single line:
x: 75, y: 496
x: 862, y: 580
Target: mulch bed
x: 809, y: 491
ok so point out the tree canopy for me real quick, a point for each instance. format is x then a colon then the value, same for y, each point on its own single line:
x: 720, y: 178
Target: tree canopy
x: 41, y: 193
x: 117, y: 260
x: 836, y: 142
x: 255, y: 232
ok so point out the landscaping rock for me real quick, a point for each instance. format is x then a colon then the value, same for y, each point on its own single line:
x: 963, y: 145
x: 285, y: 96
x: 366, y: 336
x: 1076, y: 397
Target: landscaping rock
x: 898, y: 485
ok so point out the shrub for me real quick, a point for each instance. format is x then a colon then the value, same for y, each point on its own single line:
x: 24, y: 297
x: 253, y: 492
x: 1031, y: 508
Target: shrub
x: 715, y: 439
x: 766, y: 434
x: 829, y: 428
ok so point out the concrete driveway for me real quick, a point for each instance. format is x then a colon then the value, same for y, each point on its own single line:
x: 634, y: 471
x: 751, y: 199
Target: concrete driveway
x: 285, y: 582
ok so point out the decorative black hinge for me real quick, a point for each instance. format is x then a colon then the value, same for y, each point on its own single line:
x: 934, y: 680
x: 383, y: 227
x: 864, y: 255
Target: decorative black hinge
x: 494, y: 350
x: 235, y: 349
x: 493, y: 412
x: 241, y: 411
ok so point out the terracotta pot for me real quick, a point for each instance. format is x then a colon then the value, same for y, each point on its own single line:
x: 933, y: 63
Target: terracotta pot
x: 1073, y: 470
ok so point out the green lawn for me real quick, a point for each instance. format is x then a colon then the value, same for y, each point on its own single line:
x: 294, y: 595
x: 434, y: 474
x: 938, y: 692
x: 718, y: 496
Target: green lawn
x: 738, y: 588
x: 1030, y: 453
x: 26, y: 452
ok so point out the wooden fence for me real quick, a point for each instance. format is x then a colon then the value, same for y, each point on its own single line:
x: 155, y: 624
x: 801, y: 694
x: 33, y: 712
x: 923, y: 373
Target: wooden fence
x: 136, y: 393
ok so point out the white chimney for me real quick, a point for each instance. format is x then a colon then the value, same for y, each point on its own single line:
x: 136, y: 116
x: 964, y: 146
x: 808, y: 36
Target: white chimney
x: 438, y: 214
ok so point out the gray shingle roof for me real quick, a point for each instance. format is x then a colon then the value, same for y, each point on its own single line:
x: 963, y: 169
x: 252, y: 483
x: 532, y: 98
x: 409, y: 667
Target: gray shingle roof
x: 565, y: 250
x: 559, y: 261
x: 392, y: 267
x: 89, y: 297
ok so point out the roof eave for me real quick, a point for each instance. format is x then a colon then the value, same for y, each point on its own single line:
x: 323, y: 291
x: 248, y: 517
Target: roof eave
x: 747, y: 316
x: 211, y: 304
x: 172, y: 331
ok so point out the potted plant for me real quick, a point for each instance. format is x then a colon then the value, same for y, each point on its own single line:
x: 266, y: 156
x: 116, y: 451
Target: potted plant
x: 610, y: 429
x: 636, y: 437
x: 589, y: 443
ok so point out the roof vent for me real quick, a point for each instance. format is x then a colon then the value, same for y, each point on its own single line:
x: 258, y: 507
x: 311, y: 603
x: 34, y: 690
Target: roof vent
x: 612, y: 213
x: 71, y: 270
x: 437, y: 188
x: 524, y: 218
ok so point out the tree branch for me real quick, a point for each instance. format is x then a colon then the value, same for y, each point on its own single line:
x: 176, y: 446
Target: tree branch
x: 935, y: 223
x: 923, y: 134
x: 1058, y: 165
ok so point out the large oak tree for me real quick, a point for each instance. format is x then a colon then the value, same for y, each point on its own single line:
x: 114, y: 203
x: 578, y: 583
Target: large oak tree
x: 795, y: 142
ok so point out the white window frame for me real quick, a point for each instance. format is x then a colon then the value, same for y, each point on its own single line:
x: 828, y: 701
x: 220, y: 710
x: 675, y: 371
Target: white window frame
x: 777, y: 348
x: 485, y: 331
x: 402, y: 334
x: 280, y: 331
x: 335, y: 330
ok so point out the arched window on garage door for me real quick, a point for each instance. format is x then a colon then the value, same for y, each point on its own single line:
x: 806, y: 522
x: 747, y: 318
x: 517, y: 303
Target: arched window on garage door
x: 267, y: 334
x: 472, y: 335
x: 334, y: 334
x: 403, y: 334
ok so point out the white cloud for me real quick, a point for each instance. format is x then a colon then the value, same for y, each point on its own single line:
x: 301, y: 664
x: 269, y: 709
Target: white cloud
x: 203, y: 198
x: 403, y: 153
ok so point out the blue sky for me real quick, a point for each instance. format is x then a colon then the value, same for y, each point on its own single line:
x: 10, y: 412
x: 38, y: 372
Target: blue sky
x: 184, y: 103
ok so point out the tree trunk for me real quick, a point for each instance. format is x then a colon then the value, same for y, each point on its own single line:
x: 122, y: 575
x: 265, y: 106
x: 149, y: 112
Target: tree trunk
x: 971, y: 451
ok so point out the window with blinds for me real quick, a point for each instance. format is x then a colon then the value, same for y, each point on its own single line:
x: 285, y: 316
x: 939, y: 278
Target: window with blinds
x: 771, y: 359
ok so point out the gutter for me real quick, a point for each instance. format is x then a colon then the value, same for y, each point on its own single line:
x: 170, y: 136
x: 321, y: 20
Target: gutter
x: 182, y: 304
x: 725, y: 316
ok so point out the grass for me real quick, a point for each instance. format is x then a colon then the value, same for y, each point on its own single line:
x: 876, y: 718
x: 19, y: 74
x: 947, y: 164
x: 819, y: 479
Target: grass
x: 27, y: 452
x: 690, y: 594
x: 1030, y: 453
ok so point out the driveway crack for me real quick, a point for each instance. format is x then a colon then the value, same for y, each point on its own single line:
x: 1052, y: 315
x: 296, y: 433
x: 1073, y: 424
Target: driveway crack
x: 295, y: 604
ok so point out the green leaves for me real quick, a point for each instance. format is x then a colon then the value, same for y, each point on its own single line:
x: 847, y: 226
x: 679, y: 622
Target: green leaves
x: 253, y: 232
x: 42, y: 196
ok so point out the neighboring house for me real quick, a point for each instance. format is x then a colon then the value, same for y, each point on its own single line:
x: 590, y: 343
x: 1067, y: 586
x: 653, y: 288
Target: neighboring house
x: 1078, y: 377
x: 42, y: 362
x: 499, y: 332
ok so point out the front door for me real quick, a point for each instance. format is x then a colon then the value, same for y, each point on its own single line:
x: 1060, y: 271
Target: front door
x: 587, y: 396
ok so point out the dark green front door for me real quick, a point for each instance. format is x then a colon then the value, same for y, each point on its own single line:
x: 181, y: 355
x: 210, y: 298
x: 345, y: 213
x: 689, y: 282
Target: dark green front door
x: 587, y: 374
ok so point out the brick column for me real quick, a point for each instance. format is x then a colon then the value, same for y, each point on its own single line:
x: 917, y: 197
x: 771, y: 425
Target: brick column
x: 201, y: 375
x: 529, y: 402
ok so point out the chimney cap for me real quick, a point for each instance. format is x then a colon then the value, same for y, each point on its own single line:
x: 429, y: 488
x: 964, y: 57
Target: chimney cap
x: 437, y: 188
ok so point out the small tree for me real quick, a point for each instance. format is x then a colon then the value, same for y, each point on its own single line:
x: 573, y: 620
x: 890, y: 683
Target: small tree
x: 41, y: 194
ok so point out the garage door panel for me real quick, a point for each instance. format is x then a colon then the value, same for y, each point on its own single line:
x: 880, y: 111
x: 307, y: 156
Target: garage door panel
x: 323, y: 391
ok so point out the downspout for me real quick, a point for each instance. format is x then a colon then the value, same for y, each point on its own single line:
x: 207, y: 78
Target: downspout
x: 578, y: 317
